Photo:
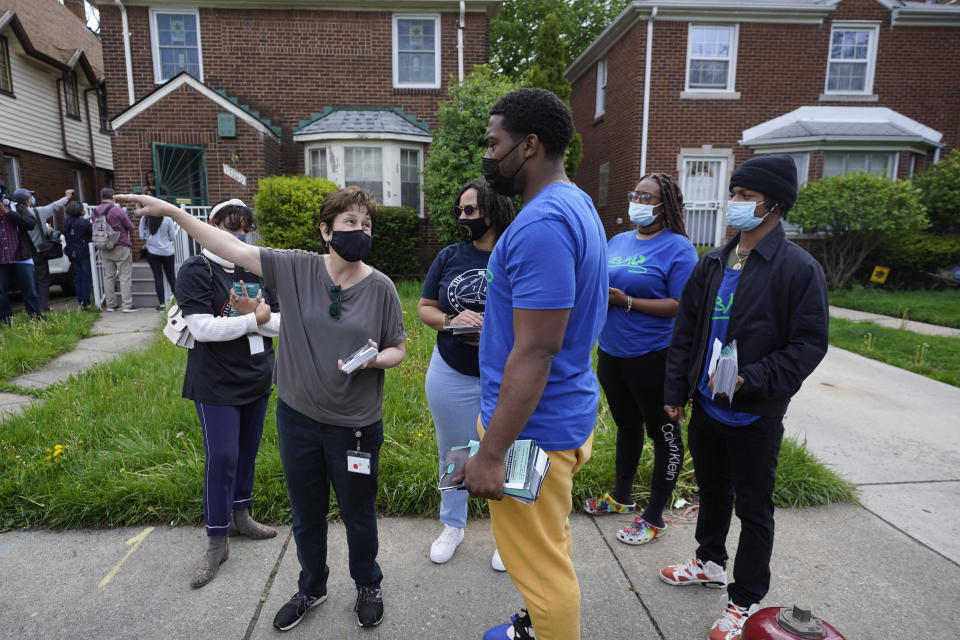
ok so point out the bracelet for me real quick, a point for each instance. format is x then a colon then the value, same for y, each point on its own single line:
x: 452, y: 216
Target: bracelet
x: 446, y: 320
x: 629, y: 304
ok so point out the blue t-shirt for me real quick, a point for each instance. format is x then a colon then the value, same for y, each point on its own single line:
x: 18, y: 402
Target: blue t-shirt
x: 654, y: 268
x: 457, y: 280
x: 552, y: 256
x: 719, y: 408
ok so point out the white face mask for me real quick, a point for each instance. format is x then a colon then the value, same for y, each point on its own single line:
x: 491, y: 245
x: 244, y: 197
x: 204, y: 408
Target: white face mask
x: 642, y: 214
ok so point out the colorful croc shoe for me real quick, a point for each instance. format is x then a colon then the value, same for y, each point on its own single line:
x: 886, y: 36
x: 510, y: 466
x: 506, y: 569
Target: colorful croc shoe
x: 640, y: 532
x: 606, y: 504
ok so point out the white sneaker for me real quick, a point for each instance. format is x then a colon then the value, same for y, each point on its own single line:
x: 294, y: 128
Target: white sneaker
x: 443, y: 547
x: 496, y: 562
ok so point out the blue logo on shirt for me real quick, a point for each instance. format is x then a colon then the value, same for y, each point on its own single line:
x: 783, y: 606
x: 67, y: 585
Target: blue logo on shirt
x: 719, y: 307
x: 633, y: 263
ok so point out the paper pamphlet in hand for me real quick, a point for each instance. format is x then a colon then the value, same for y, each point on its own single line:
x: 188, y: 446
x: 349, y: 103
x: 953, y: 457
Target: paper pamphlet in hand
x: 358, y: 357
x: 725, y: 375
x: 526, y: 467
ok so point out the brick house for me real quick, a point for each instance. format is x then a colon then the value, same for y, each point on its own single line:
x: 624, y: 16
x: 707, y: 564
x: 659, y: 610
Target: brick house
x: 841, y: 85
x: 214, y: 96
x: 54, y: 133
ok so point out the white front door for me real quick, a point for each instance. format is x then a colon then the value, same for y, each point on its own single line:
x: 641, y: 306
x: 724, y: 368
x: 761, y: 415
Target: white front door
x: 703, y: 182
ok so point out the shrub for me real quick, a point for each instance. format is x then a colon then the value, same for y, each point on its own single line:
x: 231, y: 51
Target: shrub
x: 288, y: 209
x: 458, y: 145
x: 940, y: 185
x: 395, y: 235
x: 854, y: 214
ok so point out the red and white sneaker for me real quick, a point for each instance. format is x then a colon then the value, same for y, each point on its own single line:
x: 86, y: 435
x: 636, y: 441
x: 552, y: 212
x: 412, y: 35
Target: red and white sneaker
x: 708, y: 573
x: 729, y: 626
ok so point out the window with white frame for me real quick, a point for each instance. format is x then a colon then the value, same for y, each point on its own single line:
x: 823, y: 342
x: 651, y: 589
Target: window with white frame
x: 711, y: 57
x: 11, y: 169
x: 176, y: 43
x: 852, y: 58
x: 416, y: 51
x: 840, y: 163
x: 603, y: 184
x: 601, y: 87
x: 802, y: 160
x: 317, y: 166
x: 6, y: 76
x: 363, y: 167
x: 410, y: 178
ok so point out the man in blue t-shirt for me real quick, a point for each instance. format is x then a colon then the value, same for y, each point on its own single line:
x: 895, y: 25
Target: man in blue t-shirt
x: 546, y: 304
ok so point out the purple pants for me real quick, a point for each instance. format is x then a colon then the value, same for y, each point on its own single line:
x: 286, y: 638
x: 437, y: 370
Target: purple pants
x: 231, y: 438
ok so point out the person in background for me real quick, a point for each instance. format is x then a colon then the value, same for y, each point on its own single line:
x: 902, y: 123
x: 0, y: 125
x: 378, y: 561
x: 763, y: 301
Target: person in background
x: 16, y: 259
x: 229, y: 378
x: 40, y: 234
x: 648, y: 268
x: 159, y: 234
x: 454, y: 293
x: 77, y: 232
x: 117, y: 262
x: 327, y: 418
x: 546, y: 301
x: 770, y: 296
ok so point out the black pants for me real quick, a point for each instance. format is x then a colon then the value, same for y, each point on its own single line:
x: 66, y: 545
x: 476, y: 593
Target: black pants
x: 742, y: 462
x: 634, y: 390
x: 42, y: 270
x: 314, y: 456
x: 166, y: 264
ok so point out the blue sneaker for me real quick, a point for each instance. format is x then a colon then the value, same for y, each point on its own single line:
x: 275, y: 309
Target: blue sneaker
x: 519, y: 628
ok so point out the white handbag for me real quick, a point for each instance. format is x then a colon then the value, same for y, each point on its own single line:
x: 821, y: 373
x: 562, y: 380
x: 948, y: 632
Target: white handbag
x: 176, y: 329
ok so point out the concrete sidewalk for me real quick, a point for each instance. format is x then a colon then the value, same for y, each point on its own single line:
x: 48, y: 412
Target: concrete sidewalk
x: 894, y: 323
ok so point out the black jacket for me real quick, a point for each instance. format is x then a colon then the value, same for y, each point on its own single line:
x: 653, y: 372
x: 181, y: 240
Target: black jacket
x: 779, y: 321
x: 24, y: 221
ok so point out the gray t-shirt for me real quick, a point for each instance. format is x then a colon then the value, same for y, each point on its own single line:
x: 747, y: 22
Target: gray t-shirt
x: 311, y: 340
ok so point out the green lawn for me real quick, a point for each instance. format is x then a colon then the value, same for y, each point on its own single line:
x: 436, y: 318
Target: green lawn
x: 130, y: 450
x: 935, y: 307
x: 936, y: 357
x: 28, y: 344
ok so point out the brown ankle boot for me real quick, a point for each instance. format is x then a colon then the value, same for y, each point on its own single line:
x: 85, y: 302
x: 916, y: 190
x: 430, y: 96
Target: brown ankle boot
x: 243, y: 525
x: 218, y: 550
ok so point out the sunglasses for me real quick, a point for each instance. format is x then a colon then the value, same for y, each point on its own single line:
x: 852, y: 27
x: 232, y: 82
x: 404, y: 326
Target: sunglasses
x: 468, y: 209
x: 335, y: 296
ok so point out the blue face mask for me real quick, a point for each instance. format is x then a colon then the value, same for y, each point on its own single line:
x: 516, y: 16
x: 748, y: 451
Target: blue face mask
x: 740, y: 215
x: 242, y: 237
x: 642, y: 214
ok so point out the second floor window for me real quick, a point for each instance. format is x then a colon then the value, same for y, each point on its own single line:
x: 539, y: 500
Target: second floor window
x: 852, y: 58
x: 416, y: 51
x: 6, y: 75
x: 176, y: 44
x: 711, y: 57
x: 601, y: 88
x: 71, y: 96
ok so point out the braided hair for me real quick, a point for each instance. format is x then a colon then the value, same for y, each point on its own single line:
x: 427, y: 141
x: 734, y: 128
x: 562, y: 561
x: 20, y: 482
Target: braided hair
x: 672, y: 199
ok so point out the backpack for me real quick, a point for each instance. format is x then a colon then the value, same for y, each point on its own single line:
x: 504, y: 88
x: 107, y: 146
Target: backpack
x: 103, y: 235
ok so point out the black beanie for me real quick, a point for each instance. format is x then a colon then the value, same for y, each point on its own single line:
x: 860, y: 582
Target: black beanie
x: 773, y: 176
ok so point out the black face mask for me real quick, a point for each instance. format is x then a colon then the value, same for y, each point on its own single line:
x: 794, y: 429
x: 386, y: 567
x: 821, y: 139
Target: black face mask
x: 498, y: 182
x: 351, y: 245
x: 472, y: 228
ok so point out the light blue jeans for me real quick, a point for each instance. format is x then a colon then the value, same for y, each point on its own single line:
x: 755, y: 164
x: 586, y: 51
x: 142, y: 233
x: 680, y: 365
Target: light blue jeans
x: 454, y: 400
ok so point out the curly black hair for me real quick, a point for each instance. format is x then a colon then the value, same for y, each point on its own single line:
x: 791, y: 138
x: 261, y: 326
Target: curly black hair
x: 233, y: 217
x: 540, y: 112
x: 497, y: 207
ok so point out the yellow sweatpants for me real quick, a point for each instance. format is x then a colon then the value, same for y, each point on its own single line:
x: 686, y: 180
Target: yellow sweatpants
x: 537, y: 550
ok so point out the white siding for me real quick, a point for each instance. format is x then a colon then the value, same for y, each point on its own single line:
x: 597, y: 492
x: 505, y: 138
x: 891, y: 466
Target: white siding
x: 30, y: 121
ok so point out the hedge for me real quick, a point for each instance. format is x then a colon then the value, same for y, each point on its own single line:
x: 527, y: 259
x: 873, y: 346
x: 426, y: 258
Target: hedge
x: 395, y: 235
x: 288, y: 211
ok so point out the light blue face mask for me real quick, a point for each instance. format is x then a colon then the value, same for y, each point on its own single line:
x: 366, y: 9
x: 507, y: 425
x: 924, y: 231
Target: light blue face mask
x: 242, y: 237
x: 642, y: 214
x: 740, y: 215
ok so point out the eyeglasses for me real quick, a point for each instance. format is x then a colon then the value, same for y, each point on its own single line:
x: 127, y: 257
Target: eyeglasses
x: 468, y: 209
x: 643, y: 198
x: 335, y: 296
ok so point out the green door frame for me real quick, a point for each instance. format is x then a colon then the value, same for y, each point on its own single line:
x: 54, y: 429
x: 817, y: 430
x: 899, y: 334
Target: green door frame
x: 201, y: 201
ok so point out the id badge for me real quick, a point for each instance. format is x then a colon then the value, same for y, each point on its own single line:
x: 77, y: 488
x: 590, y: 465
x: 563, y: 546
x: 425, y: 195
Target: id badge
x: 358, y: 462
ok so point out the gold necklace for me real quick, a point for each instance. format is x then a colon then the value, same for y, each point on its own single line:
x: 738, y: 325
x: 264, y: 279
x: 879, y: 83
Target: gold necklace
x: 740, y: 261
